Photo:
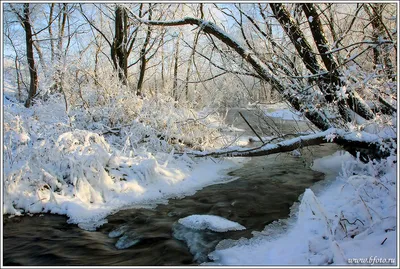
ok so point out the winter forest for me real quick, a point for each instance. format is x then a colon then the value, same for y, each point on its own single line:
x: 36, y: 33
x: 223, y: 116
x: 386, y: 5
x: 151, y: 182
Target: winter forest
x: 147, y: 133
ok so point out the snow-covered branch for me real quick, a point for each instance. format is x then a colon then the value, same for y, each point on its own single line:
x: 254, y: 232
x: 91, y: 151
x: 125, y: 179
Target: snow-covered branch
x: 352, y: 141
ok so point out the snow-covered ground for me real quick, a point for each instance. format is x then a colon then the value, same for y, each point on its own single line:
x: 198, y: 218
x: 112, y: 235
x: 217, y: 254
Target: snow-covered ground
x: 352, y: 219
x: 52, y: 167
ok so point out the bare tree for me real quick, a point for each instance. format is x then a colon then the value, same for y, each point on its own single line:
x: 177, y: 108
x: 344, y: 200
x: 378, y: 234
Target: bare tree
x: 17, y: 63
x: 143, y: 60
x: 176, y: 61
x: 380, y: 32
x: 192, y: 54
x: 119, y: 53
x: 26, y: 23
x: 330, y: 78
x: 50, y: 29
x: 58, y: 85
x: 327, y: 78
x: 120, y: 44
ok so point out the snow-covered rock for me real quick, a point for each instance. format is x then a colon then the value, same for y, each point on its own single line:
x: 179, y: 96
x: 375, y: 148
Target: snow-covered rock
x: 199, y: 242
x: 210, y: 222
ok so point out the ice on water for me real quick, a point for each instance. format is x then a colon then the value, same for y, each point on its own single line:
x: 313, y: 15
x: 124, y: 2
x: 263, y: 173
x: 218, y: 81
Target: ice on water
x: 210, y: 222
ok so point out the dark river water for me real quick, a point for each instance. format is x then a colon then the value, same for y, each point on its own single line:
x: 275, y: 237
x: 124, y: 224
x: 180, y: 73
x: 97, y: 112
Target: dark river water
x: 265, y: 190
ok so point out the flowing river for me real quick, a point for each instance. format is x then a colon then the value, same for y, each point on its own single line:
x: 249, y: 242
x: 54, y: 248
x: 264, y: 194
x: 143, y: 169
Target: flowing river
x: 265, y: 190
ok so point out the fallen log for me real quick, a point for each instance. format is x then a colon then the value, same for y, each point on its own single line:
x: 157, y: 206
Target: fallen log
x: 367, y: 146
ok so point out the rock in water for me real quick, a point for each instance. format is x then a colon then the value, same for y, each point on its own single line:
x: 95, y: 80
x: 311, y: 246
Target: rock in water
x: 127, y: 240
x: 210, y: 222
x: 118, y: 232
x: 199, y: 242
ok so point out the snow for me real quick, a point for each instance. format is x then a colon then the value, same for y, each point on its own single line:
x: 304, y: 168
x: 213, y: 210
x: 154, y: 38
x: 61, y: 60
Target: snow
x: 213, y: 223
x: 353, y: 217
x: 52, y: 166
x: 330, y: 165
x: 286, y: 114
x: 59, y: 160
x: 296, y: 153
x: 89, y: 193
x: 282, y: 111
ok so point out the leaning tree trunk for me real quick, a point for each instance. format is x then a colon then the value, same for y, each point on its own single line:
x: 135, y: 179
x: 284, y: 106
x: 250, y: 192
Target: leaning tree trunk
x: 262, y: 69
x: 330, y: 78
x: 265, y: 72
x: 353, y: 99
x: 29, y: 54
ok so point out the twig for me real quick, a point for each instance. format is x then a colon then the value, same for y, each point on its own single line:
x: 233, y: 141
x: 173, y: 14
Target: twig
x: 240, y: 113
x: 352, y: 223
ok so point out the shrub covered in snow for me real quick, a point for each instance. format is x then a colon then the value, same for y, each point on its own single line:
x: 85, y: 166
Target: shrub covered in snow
x: 100, y: 151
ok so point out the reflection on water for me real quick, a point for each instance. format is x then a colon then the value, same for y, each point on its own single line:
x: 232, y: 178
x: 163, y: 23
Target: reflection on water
x: 266, y: 189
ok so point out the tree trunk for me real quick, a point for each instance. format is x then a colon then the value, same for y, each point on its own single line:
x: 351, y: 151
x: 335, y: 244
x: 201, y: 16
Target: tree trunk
x: 353, y: 100
x: 29, y: 54
x: 143, y: 60
x: 96, y: 63
x: 374, y: 12
x: 118, y: 48
x: 330, y: 81
x: 367, y: 150
x: 58, y: 54
x: 51, y: 33
x: 40, y: 55
x: 303, y: 48
x: 191, y: 57
x: 309, y: 110
x: 333, y: 77
x: 16, y: 62
x: 189, y: 67
x: 162, y: 64
x: 175, y: 83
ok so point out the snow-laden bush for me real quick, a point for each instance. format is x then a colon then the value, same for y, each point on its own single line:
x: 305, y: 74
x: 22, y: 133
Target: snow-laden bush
x: 73, y: 165
x: 159, y: 123
x: 50, y: 165
x: 78, y: 173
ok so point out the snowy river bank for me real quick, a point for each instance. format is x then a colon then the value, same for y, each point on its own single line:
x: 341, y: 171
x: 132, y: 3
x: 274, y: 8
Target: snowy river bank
x: 264, y: 191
